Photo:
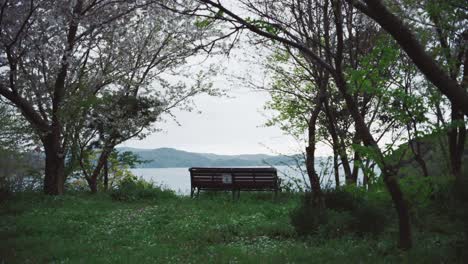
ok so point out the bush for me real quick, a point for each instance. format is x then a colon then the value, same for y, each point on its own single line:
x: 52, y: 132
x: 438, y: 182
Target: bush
x: 341, y: 200
x: 369, y: 219
x: 345, y: 212
x: 19, y: 172
x: 131, y: 189
x: 306, y: 219
x: 369, y: 216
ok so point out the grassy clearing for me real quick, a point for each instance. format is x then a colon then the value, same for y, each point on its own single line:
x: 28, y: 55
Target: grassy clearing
x: 82, y: 228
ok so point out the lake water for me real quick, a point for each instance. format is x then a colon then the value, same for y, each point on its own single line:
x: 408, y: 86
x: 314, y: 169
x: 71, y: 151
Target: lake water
x: 178, y: 179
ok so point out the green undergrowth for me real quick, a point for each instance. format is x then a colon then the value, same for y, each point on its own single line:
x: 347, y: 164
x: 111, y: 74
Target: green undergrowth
x: 85, y: 228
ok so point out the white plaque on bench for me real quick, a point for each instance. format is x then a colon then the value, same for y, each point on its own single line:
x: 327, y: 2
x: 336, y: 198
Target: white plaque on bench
x: 227, y: 178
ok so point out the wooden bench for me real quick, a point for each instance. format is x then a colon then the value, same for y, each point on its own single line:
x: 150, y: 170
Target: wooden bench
x: 233, y: 179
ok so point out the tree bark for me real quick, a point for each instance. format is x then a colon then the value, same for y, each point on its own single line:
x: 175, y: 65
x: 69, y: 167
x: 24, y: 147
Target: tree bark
x: 457, y: 134
x: 336, y: 168
x: 456, y: 137
x: 317, y: 200
x: 389, y: 173
x: 92, y: 183
x: 418, y: 156
x: 54, y: 179
x: 93, y: 179
x: 310, y: 157
x: 415, y: 146
x: 337, y: 143
x: 356, y: 160
x: 106, y: 175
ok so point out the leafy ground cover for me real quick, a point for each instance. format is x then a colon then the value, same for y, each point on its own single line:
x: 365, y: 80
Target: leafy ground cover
x: 84, y: 228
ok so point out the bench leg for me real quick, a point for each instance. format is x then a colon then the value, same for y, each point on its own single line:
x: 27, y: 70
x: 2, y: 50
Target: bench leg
x: 192, y: 190
x: 235, y: 194
x: 198, y: 192
x: 276, y: 195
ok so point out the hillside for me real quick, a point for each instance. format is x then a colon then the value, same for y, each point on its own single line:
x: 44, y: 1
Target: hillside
x: 173, y: 158
x: 434, y: 150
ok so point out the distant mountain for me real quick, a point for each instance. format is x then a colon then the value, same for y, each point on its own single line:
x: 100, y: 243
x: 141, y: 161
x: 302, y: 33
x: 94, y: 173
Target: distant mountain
x: 173, y: 158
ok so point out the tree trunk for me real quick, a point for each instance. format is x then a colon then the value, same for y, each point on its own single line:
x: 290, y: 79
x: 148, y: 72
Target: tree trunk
x: 336, y: 169
x: 313, y: 176
x: 310, y: 149
x: 391, y: 182
x: 102, y: 161
x: 337, y: 143
x: 345, y: 162
x: 106, y: 175
x: 365, y: 178
x: 456, y: 138
x: 92, y: 183
x: 457, y: 134
x: 388, y: 173
x: 420, y: 160
x: 356, y: 167
x: 54, y: 179
x: 415, y: 147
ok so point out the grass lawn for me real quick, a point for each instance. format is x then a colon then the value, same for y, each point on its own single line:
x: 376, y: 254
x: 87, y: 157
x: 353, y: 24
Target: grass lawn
x: 84, y: 228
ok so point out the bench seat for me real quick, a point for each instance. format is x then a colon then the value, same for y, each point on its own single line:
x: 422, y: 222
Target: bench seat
x: 233, y: 179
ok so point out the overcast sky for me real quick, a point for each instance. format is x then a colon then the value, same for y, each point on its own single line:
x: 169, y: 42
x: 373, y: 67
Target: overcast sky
x: 227, y: 125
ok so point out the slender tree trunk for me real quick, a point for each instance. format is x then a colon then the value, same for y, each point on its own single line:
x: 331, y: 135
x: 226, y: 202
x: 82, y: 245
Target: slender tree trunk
x: 456, y: 138
x: 391, y: 182
x: 310, y: 149
x: 344, y: 161
x: 336, y: 168
x: 337, y: 143
x: 54, y: 179
x: 457, y: 134
x: 354, y: 175
x: 389, y: 175
x: 92, y: 183
x: 415, y: 147
x: 313, y: 176
x: 388, y: 172
x: 419, y: 158
x: 106, y: 175
x: 93, y: 179
x: 310, y: 166
x: 415, y: 143
x: 365, y: 177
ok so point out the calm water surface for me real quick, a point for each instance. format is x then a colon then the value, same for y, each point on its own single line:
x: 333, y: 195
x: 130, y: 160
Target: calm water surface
x: 178, y: 179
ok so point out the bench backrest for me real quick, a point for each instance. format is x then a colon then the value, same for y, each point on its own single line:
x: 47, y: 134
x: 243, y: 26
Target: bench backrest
x: 234, y: 178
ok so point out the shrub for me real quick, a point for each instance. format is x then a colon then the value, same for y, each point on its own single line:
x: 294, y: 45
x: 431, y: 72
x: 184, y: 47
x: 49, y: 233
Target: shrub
x: 306, y: 219
x: 131, y: 189
x: 338, y: 224
x: 369, y: 208
x: 19, y: 172
x: 345, y: 212
x: 369, y: 219
x: 340, y: 200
